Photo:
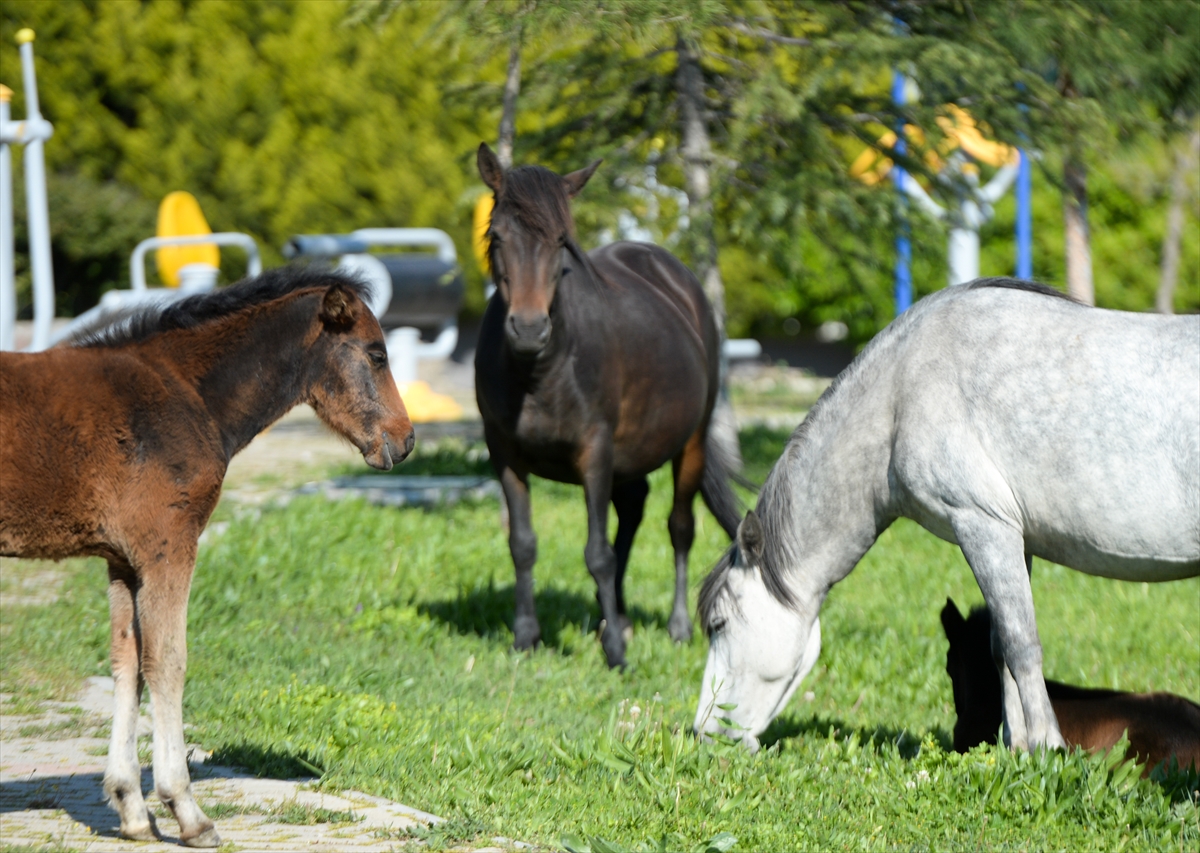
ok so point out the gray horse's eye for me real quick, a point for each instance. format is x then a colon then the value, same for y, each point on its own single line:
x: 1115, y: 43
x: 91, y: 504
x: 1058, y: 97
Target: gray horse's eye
x: 717, y: 625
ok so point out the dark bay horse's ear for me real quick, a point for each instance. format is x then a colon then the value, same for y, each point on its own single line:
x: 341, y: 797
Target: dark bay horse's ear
x: 339, y: 308
x: 489, y: 168
x: 750, y: 537
x: 952, y: 621
x: 576, y: 180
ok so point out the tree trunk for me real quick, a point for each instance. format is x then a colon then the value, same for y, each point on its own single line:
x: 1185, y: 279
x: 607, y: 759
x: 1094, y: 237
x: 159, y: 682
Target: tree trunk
x: 697, y: 162
x: 1165, y: 300
x: 508, y: 115
x: 1078, y: 241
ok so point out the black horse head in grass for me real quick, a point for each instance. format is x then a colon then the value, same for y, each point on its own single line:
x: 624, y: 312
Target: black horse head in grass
x: 531, y: 228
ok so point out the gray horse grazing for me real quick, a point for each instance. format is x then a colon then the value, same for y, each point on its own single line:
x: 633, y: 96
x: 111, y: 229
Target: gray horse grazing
x: 1002, y: 417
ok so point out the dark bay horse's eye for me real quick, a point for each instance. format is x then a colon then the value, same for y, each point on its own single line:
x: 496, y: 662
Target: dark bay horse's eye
x: 378, y: 358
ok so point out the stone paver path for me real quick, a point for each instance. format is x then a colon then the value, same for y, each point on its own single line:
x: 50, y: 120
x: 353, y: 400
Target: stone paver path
x: 51, y: 795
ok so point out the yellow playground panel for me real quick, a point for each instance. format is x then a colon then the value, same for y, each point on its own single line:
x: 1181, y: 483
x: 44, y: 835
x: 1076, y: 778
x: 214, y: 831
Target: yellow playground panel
x: 179, y: 215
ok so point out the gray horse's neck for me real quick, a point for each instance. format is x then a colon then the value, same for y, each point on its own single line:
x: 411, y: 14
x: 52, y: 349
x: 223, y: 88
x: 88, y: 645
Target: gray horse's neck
x: 827, y: 499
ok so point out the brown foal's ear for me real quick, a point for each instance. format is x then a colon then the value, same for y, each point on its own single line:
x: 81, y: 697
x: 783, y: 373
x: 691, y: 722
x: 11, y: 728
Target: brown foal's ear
x: 952, y: 621
x: 489, y: 168
x: 750, y: 537
x: 576, y: 180
x: 339, y: 309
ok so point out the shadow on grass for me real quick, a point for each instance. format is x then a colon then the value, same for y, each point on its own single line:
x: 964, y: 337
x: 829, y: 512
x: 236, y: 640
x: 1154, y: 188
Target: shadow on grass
x: 907, y: 743
x: 267, y: 762
x: 489, y: 611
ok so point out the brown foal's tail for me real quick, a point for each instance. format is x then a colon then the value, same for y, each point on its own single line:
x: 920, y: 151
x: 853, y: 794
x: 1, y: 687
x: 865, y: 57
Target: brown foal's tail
x: 722, y: 460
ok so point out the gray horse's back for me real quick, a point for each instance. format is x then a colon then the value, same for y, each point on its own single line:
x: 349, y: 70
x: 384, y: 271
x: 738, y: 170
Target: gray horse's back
x: 1079, y: 425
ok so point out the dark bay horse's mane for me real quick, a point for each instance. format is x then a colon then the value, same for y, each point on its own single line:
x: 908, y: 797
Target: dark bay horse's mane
x: 775, y: 499
x: 203, y: 308
x: 535, y: 196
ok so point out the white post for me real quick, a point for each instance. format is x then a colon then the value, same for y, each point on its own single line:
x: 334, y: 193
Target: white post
x: 8, y: 289
x: 35, y: 200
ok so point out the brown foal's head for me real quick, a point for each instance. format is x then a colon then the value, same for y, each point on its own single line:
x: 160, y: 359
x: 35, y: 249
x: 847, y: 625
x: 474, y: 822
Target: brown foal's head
x: 531, y: 226
x: 353, y: 389
x: 973, y: 675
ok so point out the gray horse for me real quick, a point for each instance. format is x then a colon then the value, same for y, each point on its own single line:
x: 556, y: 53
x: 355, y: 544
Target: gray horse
x: 1002, y: 417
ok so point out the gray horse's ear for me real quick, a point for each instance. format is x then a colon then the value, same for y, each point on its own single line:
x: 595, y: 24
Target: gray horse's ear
x: 750, y: 536
x: 576, y: 180
x: 489, y: 168
x: 952, y: 621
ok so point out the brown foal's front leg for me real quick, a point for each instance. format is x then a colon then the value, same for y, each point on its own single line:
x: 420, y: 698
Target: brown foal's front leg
x: 162, y: 615
x: 123, y: 775
x: 595, y: 466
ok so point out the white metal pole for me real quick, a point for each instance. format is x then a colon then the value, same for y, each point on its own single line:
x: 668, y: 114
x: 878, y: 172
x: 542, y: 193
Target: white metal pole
x: 8, y: 288
x: 35, y: 200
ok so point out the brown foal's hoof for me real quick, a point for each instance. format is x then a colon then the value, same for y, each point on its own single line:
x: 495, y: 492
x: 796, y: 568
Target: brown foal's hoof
x: 141, y: 833
x: 208, y: 838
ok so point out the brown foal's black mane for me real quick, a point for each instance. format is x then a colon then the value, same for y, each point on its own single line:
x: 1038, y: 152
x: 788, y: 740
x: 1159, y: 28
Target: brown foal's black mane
x: 196, y: 310
x: 537, y: 199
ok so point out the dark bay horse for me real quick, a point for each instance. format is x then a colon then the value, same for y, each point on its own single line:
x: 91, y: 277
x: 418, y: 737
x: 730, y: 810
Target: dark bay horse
x: 116, y: 447
x: 594, y: 369
x: 1159, y: 725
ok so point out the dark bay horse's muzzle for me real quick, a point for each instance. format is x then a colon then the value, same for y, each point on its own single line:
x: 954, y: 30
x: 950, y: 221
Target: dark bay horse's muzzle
x: 528, y: 335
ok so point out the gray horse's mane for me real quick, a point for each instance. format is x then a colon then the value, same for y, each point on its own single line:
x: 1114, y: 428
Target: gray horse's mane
x: 775, y: 501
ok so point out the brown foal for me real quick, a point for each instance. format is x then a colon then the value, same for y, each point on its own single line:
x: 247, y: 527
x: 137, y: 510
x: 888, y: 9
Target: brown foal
x: 1159, y: 725
x: 116, y: 446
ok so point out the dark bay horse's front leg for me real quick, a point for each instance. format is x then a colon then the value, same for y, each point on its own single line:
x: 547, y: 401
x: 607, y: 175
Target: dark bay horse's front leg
x: 595, y: 466
x: 123, y: 775
x: 629, y: 500
x: 522, y: 545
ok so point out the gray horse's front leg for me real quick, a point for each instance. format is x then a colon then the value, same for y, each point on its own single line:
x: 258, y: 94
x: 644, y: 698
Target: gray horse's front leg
x: 995, y: 551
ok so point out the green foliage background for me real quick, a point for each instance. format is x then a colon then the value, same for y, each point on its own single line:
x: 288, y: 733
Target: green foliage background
x: 286, y: 117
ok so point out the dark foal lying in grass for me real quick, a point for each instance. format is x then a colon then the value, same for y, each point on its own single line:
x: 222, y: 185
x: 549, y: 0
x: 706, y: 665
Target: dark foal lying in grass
x: 1160, y: 725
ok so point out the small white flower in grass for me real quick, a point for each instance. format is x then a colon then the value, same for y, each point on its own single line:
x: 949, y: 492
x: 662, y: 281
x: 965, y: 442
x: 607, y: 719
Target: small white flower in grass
x: 634, y: 712
x: 809, y: 696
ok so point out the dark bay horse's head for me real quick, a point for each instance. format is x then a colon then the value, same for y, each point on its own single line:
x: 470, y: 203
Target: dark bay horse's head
x: 973, y: 675
x: 531, y: 226
x: 352, y: 388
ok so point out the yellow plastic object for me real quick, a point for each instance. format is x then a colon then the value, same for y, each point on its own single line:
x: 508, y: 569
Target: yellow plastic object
x: 871, y: 167
x: 179, y: 215
x: 482, y: 221
x: 425, y: 405
x: 24, y: 35
x: 5, y: 94
x: 960, y: 127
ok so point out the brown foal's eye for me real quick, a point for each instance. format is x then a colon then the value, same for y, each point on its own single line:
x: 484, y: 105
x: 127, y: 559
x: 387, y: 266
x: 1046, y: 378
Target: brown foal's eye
x: 378, y: 358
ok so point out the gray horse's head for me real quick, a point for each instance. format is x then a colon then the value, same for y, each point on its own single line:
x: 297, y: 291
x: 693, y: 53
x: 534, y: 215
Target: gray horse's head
x: 762, y: 641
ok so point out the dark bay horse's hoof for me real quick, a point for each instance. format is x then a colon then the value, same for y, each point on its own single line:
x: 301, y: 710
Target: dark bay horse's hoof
x: 207, y: 838
x: 613, y: 642
x: 526, y: 633
x: 680, y: 628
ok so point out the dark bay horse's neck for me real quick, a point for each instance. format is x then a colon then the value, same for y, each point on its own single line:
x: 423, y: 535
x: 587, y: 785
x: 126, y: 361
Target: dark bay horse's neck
x: 828, y: 493
x: 250, y: 368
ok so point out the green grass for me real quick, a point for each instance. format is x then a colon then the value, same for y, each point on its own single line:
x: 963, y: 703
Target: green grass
x: 371, y: 646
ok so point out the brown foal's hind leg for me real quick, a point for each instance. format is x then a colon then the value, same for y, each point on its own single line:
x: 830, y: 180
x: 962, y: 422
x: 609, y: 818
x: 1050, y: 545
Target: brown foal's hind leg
x: 688, y: 470
x: 123, y: 776
x: 162, y: 610
x: 629, y: 500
